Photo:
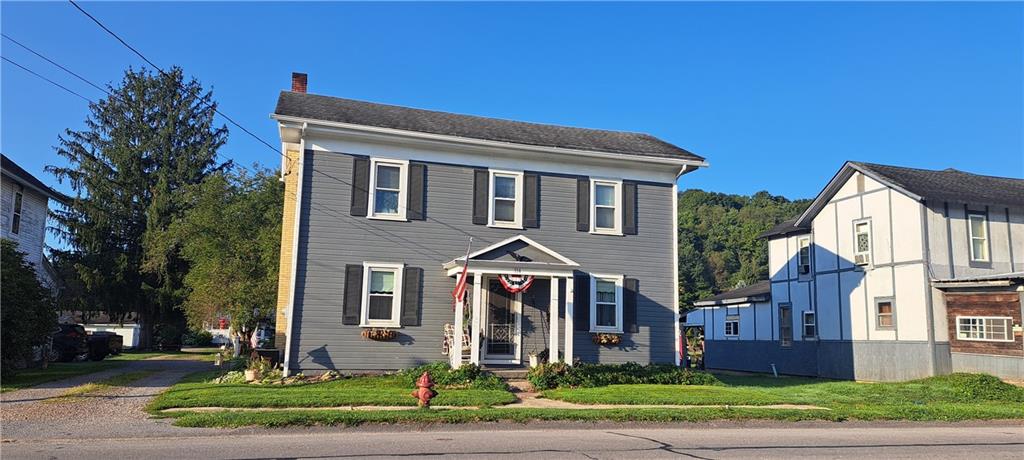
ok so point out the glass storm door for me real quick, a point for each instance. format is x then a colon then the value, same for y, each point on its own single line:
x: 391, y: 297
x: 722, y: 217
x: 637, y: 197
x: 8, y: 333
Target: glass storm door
x: 501, y: 333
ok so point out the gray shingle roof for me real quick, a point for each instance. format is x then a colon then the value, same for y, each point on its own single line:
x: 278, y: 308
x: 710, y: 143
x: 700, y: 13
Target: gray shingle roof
x: 11, y: 168
x: 759, y: 291
x: 950, y: 184
x: 342, y: 110
x: 786, y: 227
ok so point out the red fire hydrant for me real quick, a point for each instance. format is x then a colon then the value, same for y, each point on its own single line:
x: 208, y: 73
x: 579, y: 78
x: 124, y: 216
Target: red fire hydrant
x: 423, y: 393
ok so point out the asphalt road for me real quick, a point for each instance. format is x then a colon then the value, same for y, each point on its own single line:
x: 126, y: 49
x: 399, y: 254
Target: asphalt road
x: 989, y: 441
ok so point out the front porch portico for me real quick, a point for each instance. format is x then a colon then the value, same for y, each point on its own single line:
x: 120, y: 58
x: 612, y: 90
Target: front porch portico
x: 518, y: 256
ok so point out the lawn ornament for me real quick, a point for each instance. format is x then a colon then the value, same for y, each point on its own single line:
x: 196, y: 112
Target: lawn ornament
x: 423, y: 391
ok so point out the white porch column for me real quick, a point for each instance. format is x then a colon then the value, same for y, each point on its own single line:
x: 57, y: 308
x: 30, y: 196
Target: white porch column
x: 455, y: 352
x: 569, y: 292
x: 553, y: 327
x: 475, y: 322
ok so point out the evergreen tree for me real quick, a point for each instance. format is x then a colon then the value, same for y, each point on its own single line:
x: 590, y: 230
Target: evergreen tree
x: 146, y: 142
x: 28, y: 315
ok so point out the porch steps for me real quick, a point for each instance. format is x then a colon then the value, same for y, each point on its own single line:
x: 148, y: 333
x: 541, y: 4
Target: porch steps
x: 507, y: 373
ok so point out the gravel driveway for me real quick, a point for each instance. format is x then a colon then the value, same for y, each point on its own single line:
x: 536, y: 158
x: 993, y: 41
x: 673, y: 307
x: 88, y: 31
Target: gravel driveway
x: 117, y: 413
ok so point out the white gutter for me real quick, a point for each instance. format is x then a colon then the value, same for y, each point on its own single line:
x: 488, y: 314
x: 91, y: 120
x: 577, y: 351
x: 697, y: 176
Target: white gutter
x: 337, y: 127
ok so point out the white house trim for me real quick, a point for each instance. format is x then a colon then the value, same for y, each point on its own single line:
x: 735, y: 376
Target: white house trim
x: 396, y: 295
x: 517, y: 223
x: 514, y: 239
x: 289, y: 312
x: 616, y: 185
x: 403, y: 189
x: 619, y: 281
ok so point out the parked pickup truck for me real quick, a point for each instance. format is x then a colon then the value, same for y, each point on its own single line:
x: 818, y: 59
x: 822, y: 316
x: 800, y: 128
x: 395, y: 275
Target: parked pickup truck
x: 103, y: 343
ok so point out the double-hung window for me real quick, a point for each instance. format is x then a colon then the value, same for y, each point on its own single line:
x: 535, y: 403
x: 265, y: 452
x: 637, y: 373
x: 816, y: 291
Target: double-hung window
x: 984, y: 328
x: 506, y: 196
x: 978, y: 233
x: 387, y: 188
x: 810, y: 325
x: 606, y: 210
x: 19, y: 196
x: 804, y: 255
x: 606, y: 303
x: 732, y: 326
x: 885, y: 313
x: 862, y: 242
x: 382, y: 295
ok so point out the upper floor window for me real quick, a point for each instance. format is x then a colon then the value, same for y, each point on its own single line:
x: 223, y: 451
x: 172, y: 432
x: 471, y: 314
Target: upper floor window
x: 16, y: 214
x: 506, y: 208
x: 862, y: 242
x: 978, y: 233
x: 382, y: 296
x: 387, y: 188
x: 606, y: 210
x: 984, y: 328
x: 732, y: 326
x: 804, y: 255
x: 606, y: 303
x: 810, y: 325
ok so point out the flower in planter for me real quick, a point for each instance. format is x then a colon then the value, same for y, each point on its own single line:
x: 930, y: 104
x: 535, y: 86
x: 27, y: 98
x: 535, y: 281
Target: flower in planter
x: 380, y: 335
x: 606, y: 339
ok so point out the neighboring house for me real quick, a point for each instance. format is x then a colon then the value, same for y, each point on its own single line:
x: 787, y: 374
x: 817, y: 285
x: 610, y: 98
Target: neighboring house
x: 24, y: 206
x: 891, y: 274
x: 381, y: 202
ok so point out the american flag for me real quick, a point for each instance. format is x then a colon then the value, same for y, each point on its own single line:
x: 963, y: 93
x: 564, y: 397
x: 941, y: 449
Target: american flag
x: 460, y: 286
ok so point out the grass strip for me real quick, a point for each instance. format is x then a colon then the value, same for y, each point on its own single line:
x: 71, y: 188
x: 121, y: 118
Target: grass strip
x: 230, y: 419
x: 118, y: 380
x: 25, y: 378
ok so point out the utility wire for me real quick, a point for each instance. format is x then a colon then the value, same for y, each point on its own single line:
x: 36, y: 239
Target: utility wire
x: 30, y: 50
x: 47, y: 79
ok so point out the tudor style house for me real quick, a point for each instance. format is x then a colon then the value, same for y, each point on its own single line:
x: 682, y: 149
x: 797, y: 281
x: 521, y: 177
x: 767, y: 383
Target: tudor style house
x: 571, y: 234
x: 891, y: 274
x: 24, y: 205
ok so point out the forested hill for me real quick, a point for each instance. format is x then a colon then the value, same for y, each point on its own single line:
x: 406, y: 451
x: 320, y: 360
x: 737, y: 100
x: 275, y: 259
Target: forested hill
x: 719, y: 248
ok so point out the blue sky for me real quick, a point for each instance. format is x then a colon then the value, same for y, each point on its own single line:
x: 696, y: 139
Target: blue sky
x: 776, y: 96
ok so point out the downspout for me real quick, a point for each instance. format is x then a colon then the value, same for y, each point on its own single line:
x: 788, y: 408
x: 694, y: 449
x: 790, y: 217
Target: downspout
x: 300, y: 171
x: 678, y: 345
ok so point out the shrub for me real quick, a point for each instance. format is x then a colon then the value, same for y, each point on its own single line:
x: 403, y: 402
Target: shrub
x: 197, y: 338
x: 976, y: 387
x: 230, y: 377
x: 552, y: 375
x: 28, y: 315
x: 466, y: 376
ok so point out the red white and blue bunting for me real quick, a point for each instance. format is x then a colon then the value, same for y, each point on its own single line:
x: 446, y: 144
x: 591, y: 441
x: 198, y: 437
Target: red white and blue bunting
x: 516, y: 283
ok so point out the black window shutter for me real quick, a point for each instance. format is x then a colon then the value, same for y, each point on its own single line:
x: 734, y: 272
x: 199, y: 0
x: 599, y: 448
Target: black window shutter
x: 581, y: 302
x: 629, y: 208
x: 480, y: 195
x: 630, y: 288
x: 413, y: 279
x: 360, y: 185
x: 531, y: 200
x: 583, y: 204
x: 417, y: 194
x: 353, y: 294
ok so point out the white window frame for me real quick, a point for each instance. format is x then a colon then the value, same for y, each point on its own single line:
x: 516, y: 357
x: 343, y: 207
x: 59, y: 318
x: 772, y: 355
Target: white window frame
x: 396, y: 304
x: 813, y: 323
x: 799, y: 255
x: 878, y: 314
x: 619, y: 281
x: 617, y: 227
x: 403, y: 188
x: 518, y: 222
x: 736, y: 329
x: 971, y: 236
x: 1007, y: 319
x: 16, y: 208
x: 871, y: 244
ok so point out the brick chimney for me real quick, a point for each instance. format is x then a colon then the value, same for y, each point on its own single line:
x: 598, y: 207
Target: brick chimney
x: 298, y: 82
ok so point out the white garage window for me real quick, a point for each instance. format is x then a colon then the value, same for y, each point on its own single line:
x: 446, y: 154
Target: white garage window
x: 984, y: 328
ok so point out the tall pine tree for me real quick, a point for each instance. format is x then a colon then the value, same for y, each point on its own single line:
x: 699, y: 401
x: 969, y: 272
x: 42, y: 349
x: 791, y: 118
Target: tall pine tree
x: 144, y: 144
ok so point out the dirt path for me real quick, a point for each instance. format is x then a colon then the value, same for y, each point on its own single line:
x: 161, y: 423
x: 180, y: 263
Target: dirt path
x: 117, y: 412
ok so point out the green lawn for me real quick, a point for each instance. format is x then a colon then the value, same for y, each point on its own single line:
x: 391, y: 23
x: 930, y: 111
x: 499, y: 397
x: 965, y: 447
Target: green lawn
x: 31, y: 377
x: 201, y: 354
x: 357, y: 391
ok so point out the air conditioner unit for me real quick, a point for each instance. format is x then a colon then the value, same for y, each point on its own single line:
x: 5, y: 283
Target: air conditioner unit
x: 804, y: 269
x: 862, y: 259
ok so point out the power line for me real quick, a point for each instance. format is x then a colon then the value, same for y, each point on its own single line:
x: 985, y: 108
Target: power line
x: 30, y: 50
x: 46, y: 79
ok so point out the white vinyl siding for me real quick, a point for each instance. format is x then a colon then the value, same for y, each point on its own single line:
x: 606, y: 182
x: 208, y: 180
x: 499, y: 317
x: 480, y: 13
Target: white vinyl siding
x: 382, y: 295
x: 388, y: 179
x: 984, y: 328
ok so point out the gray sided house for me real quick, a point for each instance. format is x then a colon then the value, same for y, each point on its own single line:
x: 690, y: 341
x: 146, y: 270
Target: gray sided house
x: 892, y: 273
x: 573, y: 234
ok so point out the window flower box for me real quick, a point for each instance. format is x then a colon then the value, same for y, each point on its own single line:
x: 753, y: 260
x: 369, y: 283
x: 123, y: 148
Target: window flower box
x: 379, y: 334
x: 606, y: 339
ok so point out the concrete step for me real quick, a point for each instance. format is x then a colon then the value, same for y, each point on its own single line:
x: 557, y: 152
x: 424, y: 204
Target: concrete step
x: 508, y: 373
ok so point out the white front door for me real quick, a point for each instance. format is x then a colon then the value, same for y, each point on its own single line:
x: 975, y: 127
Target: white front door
x: 502, y: 324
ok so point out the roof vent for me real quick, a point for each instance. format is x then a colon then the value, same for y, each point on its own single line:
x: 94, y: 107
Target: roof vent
x: 298, y: 82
